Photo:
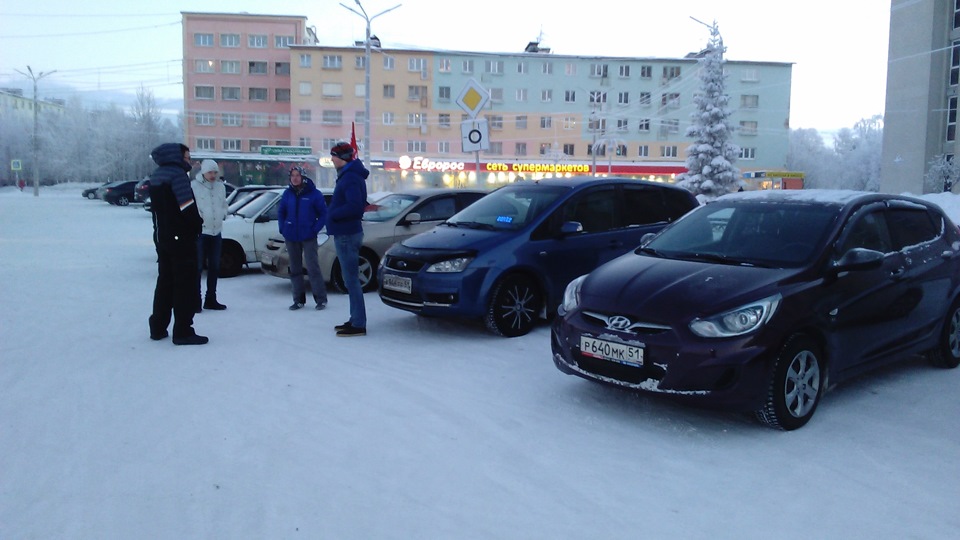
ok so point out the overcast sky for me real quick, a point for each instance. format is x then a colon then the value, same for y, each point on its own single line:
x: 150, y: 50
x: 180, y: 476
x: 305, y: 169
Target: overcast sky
x: 839, y: 48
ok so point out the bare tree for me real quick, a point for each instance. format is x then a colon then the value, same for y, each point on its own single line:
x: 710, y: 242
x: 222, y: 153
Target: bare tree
x: 942, y: 175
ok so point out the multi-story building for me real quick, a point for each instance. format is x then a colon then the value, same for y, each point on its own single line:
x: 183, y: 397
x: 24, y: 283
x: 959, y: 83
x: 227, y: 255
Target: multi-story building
x: 546, y: 114
x: 923, y: 74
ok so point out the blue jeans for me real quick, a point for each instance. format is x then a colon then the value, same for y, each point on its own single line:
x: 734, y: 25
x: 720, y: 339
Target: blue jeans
x: 305, y: 253
x: 348, y: 253
x: 208, y: 251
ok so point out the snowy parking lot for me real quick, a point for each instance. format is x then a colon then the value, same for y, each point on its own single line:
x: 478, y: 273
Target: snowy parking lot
x: 424, y: 428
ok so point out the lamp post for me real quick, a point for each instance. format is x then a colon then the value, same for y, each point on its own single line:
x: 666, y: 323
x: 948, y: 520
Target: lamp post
x: 366, y: 64
x: 36, y: 140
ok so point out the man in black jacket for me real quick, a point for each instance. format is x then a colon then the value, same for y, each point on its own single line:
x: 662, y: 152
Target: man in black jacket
x: 176, y: 227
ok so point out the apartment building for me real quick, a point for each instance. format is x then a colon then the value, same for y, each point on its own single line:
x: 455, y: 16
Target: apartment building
x: 923, y: 74
x: 547, y: 114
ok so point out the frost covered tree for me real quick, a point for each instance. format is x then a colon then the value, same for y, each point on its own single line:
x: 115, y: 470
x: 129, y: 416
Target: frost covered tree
x: 809, y: 154
x: 942, y: 175
x: 710, y: 160
x: 858, y: 151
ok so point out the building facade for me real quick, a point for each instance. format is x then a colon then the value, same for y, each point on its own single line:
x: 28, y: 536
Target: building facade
x: 545, y: 114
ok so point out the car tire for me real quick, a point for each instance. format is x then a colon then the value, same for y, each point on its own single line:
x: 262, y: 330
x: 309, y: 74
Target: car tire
x: 796, y: 386
x: 123, y: 201
x: 514, y: 307
x: 91, y: 196
x: 947, y: 353
x: 232, y: 260
x: 368, y: 273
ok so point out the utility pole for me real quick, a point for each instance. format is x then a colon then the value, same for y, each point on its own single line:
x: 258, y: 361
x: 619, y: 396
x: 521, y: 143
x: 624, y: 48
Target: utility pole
x: 36, y: 140
x: 366, y: 61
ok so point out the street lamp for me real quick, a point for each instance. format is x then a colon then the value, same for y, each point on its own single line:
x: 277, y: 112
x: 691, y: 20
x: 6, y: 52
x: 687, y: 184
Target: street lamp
x: 366, y: 64
x: 36, y: 140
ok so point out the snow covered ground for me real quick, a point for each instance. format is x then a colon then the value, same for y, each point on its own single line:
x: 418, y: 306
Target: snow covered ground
x: 422, y: 429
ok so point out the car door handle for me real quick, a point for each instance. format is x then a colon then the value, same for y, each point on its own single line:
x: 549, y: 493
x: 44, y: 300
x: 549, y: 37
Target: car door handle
x: 898, y: 273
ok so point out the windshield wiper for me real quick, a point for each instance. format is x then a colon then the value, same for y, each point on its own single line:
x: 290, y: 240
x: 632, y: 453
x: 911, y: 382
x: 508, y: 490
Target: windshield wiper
x: 473, y: 225
x: 650, y: 251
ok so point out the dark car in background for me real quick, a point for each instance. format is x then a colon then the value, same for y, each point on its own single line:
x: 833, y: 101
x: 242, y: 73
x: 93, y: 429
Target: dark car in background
x: 761, y: 301
x: 141, y: 193
x: 507, y: 258
x: 92, y: 193
x: 119, y: 193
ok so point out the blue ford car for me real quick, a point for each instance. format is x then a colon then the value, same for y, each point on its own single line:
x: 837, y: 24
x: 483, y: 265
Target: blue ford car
x: 507, y: 258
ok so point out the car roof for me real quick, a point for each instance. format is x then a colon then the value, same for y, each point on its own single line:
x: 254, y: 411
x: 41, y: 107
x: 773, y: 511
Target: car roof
x: 579, y: 181
x: 426, y: 192
x: 836, y: 197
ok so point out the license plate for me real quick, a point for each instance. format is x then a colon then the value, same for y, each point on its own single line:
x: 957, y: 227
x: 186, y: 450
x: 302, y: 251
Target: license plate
x: 612, y: 351
x: 397, y: 283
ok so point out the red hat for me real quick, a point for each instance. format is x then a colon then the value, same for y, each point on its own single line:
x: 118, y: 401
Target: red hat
x: 342, y: 150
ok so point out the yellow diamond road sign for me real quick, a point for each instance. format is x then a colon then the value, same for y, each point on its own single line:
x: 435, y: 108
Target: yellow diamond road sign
x: 473, y: 98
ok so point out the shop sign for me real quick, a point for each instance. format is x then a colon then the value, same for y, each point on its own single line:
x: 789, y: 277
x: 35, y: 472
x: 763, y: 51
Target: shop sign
x: 420, y: 163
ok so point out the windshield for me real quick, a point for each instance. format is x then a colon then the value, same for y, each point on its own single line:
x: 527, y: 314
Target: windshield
x: 255, y: 205
x: 508, y: 208
x: 751, y: 233
x: 388, y: 207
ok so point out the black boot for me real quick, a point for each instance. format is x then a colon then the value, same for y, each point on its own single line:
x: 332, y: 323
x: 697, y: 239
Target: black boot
x: 210, y: 302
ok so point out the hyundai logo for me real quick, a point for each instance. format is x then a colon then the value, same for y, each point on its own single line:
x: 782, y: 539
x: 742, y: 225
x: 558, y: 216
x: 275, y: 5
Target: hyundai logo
x: 618, y: 322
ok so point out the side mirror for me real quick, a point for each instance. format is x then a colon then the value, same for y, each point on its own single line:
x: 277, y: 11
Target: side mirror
x: 858, y: 259
x: 412, y: 218
x: 645, y: 239
x: 570, y: 227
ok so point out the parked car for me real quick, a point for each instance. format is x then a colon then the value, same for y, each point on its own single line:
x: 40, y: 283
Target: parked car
x: 393, y: 218
x: 507, y: 258
x: 236, y: 194
x: 760, y: 301
x: 119, y: 193
x: 247, y: 229
x: 141, y: 193
x: 92, y: 193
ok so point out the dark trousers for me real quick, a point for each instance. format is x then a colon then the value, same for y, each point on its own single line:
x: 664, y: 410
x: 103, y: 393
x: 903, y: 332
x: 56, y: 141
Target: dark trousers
x: 176, y: 289
x: 208, y: 251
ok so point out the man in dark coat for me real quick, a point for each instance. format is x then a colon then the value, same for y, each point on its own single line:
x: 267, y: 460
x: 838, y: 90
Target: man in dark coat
x: 176, y: 228
x: 344, y: 223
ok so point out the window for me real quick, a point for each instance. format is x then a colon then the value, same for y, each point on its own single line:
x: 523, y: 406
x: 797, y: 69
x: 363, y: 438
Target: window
x: 230, y: 40
x: 282, y: 95
x: 257, y: 41
x: 749, y: 101
x: 955, y: 64
x: 522, y: 68
x: 621, y: 150
x: 416, y: 146
x: 414, y: 93
x: 569, y: 149
x: 748, y: 127
x: 389, y: 63
x: 495, y: 121
x: 544, y: 149
x: 546, y: 122
x: 623, y: 98
x: 444, y: 120
x: 624, y: 71
x: 670, y: 73
x: 388, y: 118
x: 306, y: 116
x: 622, y: 125
x: 546, y: 68
x: 444, y: 94
x: 952, y: 118
x: 416, y: 119
x: 444, y: 65
x: 748, y: 153
x: 520, y: 149
x: 388, y: 145
x: 306, y: 88
x: 645, y: 99
x: 331, y: 90
x: 749, y: 75
x: 522, y: 122
x: 570, y: 69
x: 203, y: 119
x: 597, y: 124
x: 304, y: 141
x: 203, y: 40
x: 231, y: 145
x: 389, y: 91
x: 230, y: 93
x: 570, y: 96
x: 306, y: 60
x: 281, y: 142
x: 282, y: 68
x: 332, y: 61
x: 258, y: 120
x: 282, y: 42
x: 282, y: 120
x: 231, y: 119
x: 205, y: 143
x: 546, y: 96
x: 496, y: 95
x: 646, y: 72
x: 359, y: 90
x: 467, y: 66
x: 332, y: 118
x: 597, y: 96
x: 257, y: 68
x: 231, y: 67
x: 569, y: 122
x: 596, y: 150
x: 360, y: 117
x: 443, y: 147
x: 521, y: 95
x: 258, y: 94
x: 359, y: 62
x: 644, y: 125
x: 203, y: 66
x: 598, y: 70
x: 671, y: 125
x: 255, y: 144
x: 670, y: 100
x: 494, y: 67
x: 416, y: 64
x: 643, y: 151
x: 668, y: 151
x: 496, y: 148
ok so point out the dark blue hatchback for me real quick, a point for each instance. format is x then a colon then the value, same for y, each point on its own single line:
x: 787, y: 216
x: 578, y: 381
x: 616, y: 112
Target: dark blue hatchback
x: 507, y: 258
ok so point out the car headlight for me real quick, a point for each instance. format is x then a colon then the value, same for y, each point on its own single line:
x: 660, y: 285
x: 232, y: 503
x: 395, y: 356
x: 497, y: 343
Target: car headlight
x: 571, y: 296
x: 736, y: 322
x: 452, y: 265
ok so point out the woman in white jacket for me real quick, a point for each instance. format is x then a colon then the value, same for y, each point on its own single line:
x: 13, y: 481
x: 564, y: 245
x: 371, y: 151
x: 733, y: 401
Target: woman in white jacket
x: 211, y: 198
